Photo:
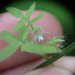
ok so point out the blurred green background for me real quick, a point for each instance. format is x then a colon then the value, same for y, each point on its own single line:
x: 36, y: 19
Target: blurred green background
x: 60, y: 10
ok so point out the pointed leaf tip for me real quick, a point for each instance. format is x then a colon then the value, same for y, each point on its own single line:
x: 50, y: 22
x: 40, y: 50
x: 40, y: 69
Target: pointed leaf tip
x: 30, y: 11
x: 9, y: 37
x: 15, y: 12
x: 37, y: 18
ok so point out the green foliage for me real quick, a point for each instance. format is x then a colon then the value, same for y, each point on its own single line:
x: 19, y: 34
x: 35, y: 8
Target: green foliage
x: 67, y: 50
x: 19, y: 25
x: 23, y: 40
x: 40, y: 48
x: 15, y: 12
x: 30, y: 11
x: 37, y: 18
x: 56, y: 39
x: 30, y: 47
x: 9, y: 50
x: 36, y: 29
x: 9, y: 37
x: 26, y: 31
x: 21, y: 30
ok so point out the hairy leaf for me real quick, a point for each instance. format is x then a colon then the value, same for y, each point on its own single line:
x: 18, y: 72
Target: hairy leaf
x: 56, y: 40
x: 43, y: 33
x: 37, y: 18
x: 31, y: 47
x: 15, y: 12
x: 21, y: 31
x: 9, y: 37
x: 37, y: 28
x: 30, y: 11
x: 59, y: 37
x: 26, y: 31
x: 8, y: 51
x: 49, y: 49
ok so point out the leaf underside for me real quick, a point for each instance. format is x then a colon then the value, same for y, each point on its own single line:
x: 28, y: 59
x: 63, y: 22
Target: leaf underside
x: 26, y: 32
x: 30, y: 11
x: 57, y: 40
x: 39, y: 49
x: 37, y: 18
x: 49, y: 49
x: 15, y: 12
x: 8, y: 51
x: 21, y: 31
x: 30, y: 47
x: 9, y: 37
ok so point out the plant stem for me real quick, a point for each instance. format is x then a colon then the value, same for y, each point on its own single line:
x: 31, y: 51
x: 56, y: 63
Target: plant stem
x: 31, y: 25
x: 47, y: 58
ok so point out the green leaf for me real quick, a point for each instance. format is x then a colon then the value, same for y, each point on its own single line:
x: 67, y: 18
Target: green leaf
x: 39, y: 49
x: 15, y: 12
x: 37, y: 18
x: 19, y: 25
x: 31, y: 47
x: 30, y: 11
x: 26, y: 31
x: 8, y: 51
x: 0, y: 35
x: 42, y: 33
x: 21, y: 31
x: 49, y: 49
x: 9, y: 37
x: 56, y: 40
x: 37, y: 28
x: 59, y: 37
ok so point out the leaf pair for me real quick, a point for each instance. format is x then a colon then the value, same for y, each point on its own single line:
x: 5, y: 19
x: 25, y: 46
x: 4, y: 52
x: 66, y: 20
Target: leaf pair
x: 27, y: 46
x: 39, y: 48
x: 17, y: 13
x: 14, y: 44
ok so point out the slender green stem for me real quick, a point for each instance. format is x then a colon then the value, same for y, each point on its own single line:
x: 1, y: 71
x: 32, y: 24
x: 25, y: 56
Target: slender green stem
x: 31, y: 25
x: 67, y: 50
x: 45, y: 56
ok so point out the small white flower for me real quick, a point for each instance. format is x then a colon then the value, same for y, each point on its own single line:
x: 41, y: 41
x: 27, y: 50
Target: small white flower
x: 40, y: 38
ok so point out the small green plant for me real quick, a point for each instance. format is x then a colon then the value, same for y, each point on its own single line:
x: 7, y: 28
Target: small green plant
x: 24, y: 41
